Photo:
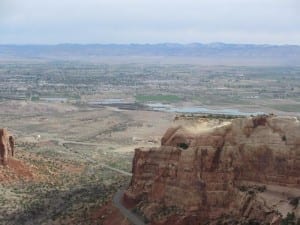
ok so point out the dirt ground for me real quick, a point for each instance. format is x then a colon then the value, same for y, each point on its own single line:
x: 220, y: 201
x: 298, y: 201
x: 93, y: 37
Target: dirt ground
x: 65, y: 152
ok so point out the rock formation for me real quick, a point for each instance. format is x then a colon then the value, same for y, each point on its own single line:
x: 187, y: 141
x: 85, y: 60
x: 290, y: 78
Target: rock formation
x: 6, y: 146
x: 247, y: 169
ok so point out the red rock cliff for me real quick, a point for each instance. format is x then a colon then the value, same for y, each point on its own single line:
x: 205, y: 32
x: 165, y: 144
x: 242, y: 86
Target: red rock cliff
x: 6, y: 146
x: 201, y: 174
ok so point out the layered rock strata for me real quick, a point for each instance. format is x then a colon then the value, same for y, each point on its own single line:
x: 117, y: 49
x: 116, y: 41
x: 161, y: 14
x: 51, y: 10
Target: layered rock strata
x: 230, y: 168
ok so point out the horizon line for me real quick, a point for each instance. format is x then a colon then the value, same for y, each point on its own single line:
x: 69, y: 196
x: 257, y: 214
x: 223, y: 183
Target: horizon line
x: 150, y: 44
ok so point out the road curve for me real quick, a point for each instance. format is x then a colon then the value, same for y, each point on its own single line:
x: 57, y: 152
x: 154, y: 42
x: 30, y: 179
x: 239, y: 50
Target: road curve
x: 88, y: 158
x: 133, y: 218
x: 62, y: 142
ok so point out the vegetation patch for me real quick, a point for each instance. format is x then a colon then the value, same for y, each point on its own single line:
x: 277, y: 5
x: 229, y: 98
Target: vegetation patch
x: 290, y: 219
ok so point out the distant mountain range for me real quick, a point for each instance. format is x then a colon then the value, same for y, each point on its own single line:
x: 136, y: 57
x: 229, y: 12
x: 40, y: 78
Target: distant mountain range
x: 283, y: 54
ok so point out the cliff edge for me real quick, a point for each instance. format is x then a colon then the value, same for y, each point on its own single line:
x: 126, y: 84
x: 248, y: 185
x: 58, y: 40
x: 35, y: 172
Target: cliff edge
x: 240, y: 171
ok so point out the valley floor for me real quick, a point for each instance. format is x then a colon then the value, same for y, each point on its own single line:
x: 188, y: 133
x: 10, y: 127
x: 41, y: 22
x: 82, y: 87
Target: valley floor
x: 70, y: 161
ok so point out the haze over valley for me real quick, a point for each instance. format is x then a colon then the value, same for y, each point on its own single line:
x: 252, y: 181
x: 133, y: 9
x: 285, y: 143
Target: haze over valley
x: 149, y: 112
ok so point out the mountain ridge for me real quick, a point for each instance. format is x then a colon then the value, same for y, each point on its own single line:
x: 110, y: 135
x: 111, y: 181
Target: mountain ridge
x: 217, y: 53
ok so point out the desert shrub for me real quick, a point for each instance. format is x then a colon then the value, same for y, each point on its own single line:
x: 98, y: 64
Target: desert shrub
x: 294, y: 201
x: 289, y: 219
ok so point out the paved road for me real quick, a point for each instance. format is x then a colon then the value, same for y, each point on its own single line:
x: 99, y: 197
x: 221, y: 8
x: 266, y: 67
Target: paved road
x: 62, y: 141
x: 106, y: 166
x: 88, y: 158
x: 115, y: 169
x: 133, y: 218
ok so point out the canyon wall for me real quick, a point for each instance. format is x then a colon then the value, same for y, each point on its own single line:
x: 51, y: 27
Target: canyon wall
x: 208, y: 172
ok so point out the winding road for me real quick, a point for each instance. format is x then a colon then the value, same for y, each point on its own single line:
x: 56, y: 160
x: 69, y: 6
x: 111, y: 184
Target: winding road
x: 117, y: 199
x: 133, y: 218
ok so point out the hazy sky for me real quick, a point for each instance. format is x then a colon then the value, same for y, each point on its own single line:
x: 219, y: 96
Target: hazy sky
x: 149, y: 21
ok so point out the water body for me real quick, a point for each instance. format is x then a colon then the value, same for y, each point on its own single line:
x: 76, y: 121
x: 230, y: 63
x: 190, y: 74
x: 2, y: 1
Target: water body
x: 108, y: 101
x: 198, y: 109
x: 170, y: 108
x: 54, y: 99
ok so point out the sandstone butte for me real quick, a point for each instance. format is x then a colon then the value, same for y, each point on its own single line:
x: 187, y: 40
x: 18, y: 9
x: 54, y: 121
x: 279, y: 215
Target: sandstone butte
x: 242, y: 171
x: 6, y: 147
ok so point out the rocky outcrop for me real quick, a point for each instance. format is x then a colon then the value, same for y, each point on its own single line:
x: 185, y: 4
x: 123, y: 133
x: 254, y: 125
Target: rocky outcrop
x: 6, y: 146
x: 242, y: 169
